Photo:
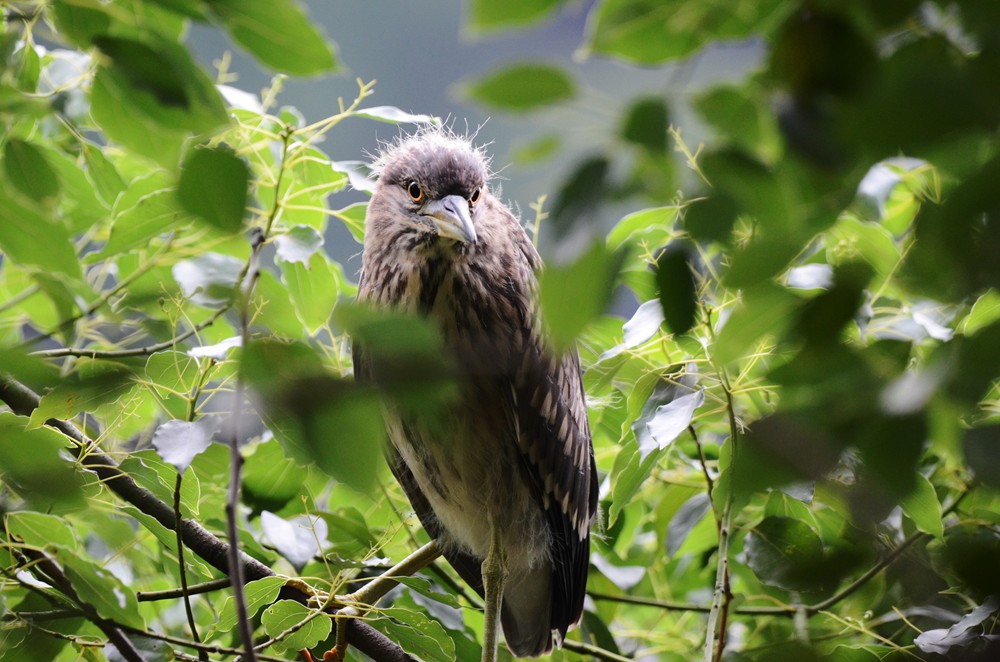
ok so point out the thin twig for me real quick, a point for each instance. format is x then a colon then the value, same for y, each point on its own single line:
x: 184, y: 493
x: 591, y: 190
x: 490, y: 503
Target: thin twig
x: 138, y: 351
x: 202, y: 655
x: 593, y: 651
x: 245, y: 290
x: 174, y: 593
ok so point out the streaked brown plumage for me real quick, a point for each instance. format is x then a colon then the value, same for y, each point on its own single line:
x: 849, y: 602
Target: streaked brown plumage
x: 513, y: 463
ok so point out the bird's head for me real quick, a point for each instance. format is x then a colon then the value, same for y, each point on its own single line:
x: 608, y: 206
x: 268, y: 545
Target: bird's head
x: 430, y: 186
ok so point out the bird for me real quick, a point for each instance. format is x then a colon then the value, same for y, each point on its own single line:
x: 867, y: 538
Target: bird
x: 506, y: 481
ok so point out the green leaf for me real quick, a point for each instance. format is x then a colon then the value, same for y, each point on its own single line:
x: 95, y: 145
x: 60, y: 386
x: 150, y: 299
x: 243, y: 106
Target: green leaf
x: 298, y: 244
x: 572, y: 295
x: 95, y: 383
x: 213, y: 186
x: 278, y: 33
x: 152, y: 95
x: 287, y: 614
x: 652, y: 227
x: 41, y: 530
x: 314, y: 289
x: 416, y: 633
x: 258, y: 594
x: 922, y: 506
x: 785, y: 553
x: 488, y: 16
x: 150, y: 217
x: 353, y: 217
x: 102, y: 590
x: 28, y: 236
x: 523, y: 87
x: 29, y: 171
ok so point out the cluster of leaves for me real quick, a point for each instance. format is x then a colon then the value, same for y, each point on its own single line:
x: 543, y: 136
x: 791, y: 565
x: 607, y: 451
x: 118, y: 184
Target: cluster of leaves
x: 797, y: 430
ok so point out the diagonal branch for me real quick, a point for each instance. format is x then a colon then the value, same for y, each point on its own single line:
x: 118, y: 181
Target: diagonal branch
x: 54, y: 573
x: 211, y: 549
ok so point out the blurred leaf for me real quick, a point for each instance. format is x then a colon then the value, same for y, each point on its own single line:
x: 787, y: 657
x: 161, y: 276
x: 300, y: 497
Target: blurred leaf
x: 270, y: 480
x: 785, y: 553
x: 763, y: 311
x: 213, y: 186
x: 31, y: 462
x: 676, y: 286
x: 487, y: 16
x: 287, y: 614
x: 29, y: 171
x: 653, y: 31
x: 646, y: 125
x: 581, y: 192
x: 277, y: 33
x: 304, y: 406
x: 523, y: 87
x: 163, y: 72
x: 30, y: 237
x: 982, y: 453
x: 178, y: 442
x: 572, y: 295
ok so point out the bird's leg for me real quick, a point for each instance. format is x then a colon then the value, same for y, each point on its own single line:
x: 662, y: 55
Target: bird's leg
x: 494, y: 571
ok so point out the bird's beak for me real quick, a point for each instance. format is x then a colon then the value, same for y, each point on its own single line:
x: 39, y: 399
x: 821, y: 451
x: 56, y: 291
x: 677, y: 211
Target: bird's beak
x: 451, y: 218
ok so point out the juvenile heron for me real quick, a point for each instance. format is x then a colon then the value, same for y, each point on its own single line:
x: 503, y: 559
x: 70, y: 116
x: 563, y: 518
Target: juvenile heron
x: 506, y: 482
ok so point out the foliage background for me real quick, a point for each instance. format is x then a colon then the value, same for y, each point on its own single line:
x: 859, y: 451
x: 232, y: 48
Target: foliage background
x: 797, y: 429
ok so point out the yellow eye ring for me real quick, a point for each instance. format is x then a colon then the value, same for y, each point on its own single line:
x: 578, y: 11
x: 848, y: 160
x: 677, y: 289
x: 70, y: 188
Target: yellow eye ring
x: 415, y: 192
x: 474, y: 198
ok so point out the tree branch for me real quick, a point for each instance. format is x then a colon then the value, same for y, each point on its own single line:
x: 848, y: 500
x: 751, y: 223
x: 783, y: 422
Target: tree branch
x: 207, y: 546
x: 51, y: 570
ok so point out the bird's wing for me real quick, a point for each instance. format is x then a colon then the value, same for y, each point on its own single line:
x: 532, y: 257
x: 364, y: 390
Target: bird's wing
x: 554, y: 439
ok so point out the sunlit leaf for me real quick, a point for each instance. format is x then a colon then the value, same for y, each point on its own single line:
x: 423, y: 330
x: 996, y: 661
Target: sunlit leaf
x: 288, y: 614
x: 298, y: 539
x: 574, y: 294
x: 178, y: 442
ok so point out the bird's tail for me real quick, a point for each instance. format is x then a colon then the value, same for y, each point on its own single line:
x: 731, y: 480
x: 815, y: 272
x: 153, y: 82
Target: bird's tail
x: 525, y: 612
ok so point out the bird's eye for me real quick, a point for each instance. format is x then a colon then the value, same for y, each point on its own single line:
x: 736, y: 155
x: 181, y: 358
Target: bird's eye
x: 416, y: 194
x: 474, y: 198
